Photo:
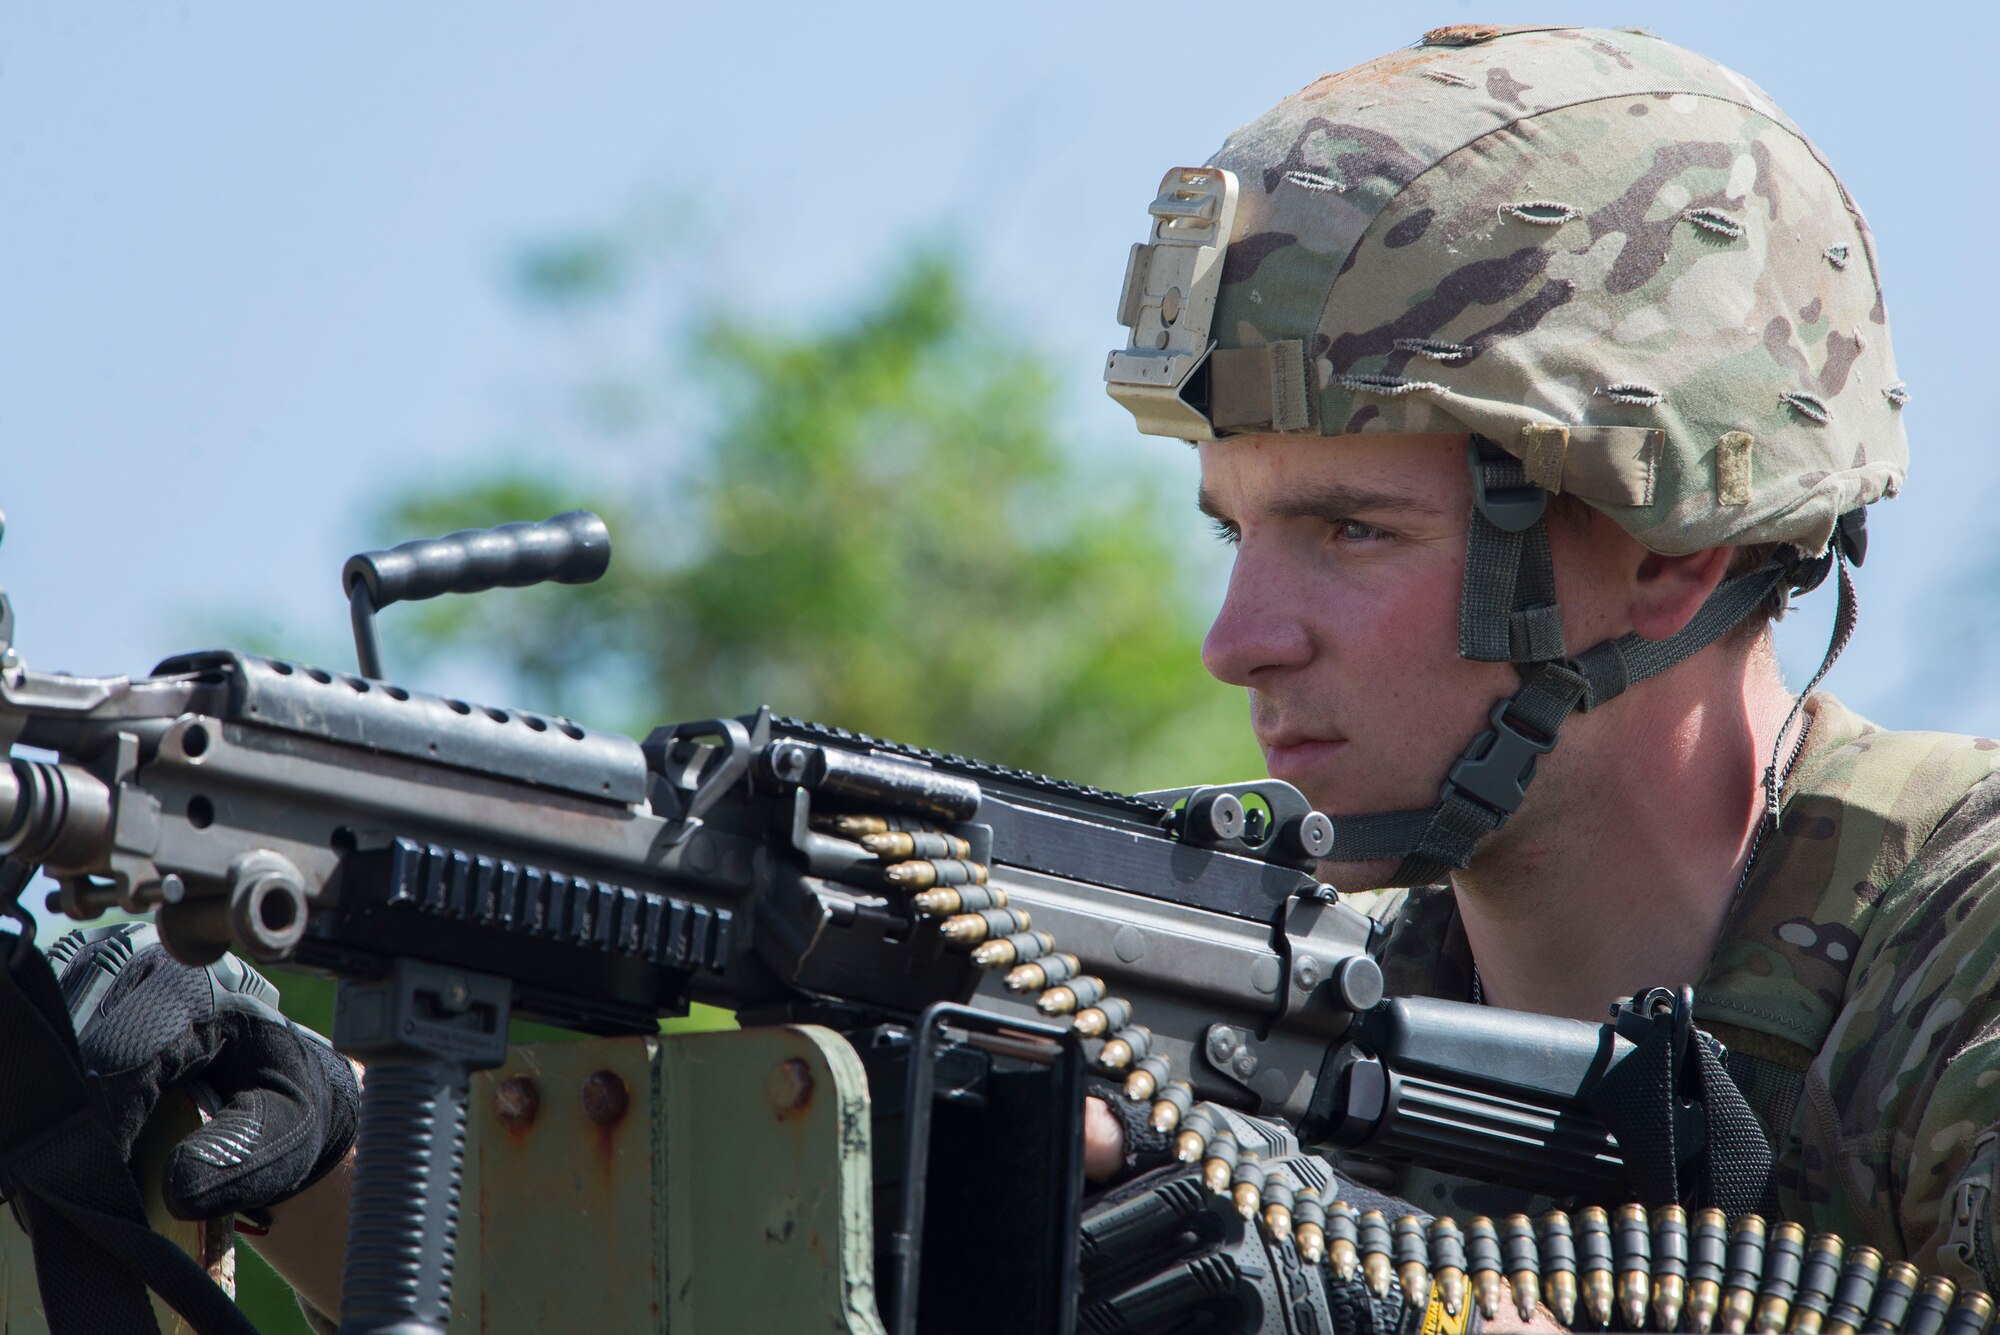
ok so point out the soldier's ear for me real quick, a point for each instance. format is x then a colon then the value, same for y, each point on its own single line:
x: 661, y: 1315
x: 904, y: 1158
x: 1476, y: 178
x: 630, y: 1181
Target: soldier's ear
x: 1668, y: 590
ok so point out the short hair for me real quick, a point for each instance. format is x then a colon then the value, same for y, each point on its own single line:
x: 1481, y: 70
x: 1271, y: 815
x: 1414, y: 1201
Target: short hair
x: 1778, y: 601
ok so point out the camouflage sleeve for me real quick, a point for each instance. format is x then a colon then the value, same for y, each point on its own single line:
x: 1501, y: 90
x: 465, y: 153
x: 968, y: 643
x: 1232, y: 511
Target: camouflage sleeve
x: 1902, y: 1120
x: 1381, y: 905
x: 1422, y: 948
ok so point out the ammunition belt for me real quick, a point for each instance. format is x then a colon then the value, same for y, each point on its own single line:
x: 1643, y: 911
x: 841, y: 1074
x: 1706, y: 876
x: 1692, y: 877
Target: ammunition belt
x: 1594, y: 1269
x: 1156, y: 1259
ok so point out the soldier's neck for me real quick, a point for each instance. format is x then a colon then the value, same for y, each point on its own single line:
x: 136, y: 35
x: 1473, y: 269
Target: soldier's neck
x: 1625, y: 874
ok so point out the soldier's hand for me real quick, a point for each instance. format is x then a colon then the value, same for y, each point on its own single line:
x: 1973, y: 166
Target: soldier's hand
x: 1118, y: 1135
x: 1508, y: 1322
x: 280, y: 1104
x: 1164, y: 1255
x: 1103, y: 1141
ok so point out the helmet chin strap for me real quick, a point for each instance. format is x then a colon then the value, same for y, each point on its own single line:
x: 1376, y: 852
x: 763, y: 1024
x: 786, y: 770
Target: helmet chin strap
x: 1508, y: 614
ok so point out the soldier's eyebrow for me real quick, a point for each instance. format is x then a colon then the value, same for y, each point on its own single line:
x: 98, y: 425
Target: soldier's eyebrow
x: 1331, y: 501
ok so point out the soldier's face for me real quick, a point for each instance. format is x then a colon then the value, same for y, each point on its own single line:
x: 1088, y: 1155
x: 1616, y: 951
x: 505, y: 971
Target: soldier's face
x: 1341, y: 617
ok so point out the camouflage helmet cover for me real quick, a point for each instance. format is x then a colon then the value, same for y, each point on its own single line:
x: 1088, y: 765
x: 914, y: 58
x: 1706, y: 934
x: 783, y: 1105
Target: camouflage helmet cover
x: 1614, y: 258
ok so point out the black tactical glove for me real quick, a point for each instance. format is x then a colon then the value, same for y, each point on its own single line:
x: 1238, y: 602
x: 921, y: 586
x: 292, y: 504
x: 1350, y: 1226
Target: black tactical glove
x: 1143, y: 1148
x: 281, y: 1104
x: 1163, y: 1255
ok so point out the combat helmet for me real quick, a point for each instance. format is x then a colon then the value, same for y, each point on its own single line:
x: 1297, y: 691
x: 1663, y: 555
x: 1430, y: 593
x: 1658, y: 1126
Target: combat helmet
x: 1615, y: 263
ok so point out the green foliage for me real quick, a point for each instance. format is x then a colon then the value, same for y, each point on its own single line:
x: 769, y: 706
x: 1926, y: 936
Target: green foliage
x: 876, y: 523
x: 265, y: 1298
x: 569, y: 273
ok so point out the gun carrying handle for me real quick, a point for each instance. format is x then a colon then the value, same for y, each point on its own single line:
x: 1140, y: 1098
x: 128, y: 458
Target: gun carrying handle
x: 571, y: 548
x: 367, y: 644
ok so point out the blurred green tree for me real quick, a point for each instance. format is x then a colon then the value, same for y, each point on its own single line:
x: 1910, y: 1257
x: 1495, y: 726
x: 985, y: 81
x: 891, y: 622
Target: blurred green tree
x: 878, y: 525
x: 874, y: 522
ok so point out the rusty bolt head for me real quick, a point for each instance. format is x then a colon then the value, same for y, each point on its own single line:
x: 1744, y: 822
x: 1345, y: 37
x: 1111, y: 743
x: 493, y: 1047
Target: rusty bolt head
x: 517, y: 1101
x: 605, y: 1098
x: 789, y: 1086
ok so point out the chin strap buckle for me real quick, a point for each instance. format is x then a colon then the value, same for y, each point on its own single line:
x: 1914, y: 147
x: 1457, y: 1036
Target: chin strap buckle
x: 1496, y: 769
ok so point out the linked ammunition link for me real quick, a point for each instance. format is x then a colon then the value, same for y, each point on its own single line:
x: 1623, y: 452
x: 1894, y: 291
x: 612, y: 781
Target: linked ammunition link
x: 1595, y: 1271
x: 972, y: 914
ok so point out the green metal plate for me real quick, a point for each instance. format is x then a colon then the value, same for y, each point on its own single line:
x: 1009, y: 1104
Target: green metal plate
x: 699, y: 1184
x: 702, y: 1184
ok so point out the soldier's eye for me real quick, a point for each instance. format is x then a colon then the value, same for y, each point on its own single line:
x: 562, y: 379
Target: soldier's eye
x: 1225, y: 532
x: 1353, y: 530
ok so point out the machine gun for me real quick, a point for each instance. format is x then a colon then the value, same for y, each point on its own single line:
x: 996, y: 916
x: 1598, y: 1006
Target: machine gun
x: 978, y: 936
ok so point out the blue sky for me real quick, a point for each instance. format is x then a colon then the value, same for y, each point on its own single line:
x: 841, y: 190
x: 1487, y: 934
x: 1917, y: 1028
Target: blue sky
x: 253, y: 258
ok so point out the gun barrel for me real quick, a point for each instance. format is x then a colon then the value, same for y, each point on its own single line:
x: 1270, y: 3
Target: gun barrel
x: 1502, y: 1095
x: 1540, y: 1146
x: 57, y: 814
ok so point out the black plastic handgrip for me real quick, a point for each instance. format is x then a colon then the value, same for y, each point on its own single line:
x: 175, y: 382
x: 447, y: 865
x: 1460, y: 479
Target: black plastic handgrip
x: 571, y: 548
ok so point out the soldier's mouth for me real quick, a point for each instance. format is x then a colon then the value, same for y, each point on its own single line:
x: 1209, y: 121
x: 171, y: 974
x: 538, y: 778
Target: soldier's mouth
x: 1292, y: 758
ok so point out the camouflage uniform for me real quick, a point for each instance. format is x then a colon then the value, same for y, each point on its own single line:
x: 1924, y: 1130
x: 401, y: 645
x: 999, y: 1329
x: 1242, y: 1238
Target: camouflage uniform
x: 1856, y: 985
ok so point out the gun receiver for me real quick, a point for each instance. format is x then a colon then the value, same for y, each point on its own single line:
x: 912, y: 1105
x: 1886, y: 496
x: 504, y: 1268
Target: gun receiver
x: 454, y: 864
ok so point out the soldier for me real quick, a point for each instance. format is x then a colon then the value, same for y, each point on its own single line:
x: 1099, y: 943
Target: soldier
x: 1532, y: 370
